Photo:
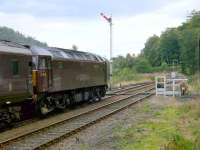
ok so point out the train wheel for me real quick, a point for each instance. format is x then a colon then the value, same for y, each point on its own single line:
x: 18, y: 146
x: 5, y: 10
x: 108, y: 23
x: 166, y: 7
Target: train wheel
x: 95, y: 95
x: 98, y: 94
x: 6, y: 119
x: 67, y: 100
x: 45, y: 106
x: 72, y: 102
x: 103, y: 92
x: 91, y: 96
x: 61, y: 103
x: 3, y: 125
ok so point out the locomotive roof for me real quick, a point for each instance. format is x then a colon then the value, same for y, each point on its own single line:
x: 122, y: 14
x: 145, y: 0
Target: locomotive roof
x: 62, y: 54
x: 54, y: 52
x: 74, y: 54
x: 13, y: 48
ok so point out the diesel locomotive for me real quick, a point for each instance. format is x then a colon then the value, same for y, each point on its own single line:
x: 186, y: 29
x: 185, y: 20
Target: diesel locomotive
x: 47, y: 78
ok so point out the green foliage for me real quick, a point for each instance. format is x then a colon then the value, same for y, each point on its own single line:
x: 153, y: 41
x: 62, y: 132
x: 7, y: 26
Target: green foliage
x: 189, y: 55
x: 125, y: 74
x: 194, y: 82
x: 152, y: 51
x: 163, y: 67
x: 143, y: 66
x: 179, y: 143
x: 129, y: 68
x: 121, y: 62
x: 177, y: 45
x: 139, y: 64
x: 11, y: 35
x: 169, y: 46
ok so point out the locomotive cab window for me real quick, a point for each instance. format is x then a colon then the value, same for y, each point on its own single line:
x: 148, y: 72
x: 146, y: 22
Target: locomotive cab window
x: 44, y: 63
x: 15, y: 67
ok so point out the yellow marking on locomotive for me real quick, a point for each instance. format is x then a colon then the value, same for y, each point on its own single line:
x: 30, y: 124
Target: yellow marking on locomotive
x: 34, y: 77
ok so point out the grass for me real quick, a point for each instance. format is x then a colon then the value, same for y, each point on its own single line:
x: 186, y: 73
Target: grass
x: 194, y: 83
x: 126, y: 76
x: 174, y: 127
x: 83, y: 147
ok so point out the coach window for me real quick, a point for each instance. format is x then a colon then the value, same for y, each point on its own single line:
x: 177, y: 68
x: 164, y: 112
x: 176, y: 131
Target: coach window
x: 15, y: 67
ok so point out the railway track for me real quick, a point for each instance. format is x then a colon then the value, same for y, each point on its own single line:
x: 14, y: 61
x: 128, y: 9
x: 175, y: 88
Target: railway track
x: 127, y: 87
x: 42, y: 136
x: 109, y: 94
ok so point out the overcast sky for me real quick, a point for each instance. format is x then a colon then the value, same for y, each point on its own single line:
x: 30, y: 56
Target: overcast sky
x: 63, y: 23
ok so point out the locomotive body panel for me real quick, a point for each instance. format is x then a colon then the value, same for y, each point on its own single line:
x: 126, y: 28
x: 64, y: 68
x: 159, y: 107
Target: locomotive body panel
x: 68, y: 75
x: 15, y: 77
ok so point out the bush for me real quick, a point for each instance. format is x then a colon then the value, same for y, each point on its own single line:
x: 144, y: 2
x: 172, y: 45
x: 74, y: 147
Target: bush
x: 143, y: 66
x: 125, y: 74
x: 179, y: 143
x: 194, y: 82
x: 163, y: 67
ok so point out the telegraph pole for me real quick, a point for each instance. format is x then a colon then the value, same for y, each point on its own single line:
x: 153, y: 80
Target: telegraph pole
x: 109, y: 20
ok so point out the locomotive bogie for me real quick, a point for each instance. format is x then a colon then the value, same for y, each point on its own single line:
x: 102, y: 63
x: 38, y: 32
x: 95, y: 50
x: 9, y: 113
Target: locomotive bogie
x: 68, y: 98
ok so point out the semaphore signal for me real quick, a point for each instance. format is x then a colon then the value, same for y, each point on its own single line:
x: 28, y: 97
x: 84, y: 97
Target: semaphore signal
x: 109, y: 20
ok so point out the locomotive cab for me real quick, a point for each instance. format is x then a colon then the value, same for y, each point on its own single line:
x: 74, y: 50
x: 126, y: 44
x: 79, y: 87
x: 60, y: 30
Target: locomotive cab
x: 42, y: 75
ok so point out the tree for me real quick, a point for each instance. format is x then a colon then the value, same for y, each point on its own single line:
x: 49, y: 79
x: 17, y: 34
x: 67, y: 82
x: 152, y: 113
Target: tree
x: 189, y: 57
x: 143, y: 66
x: 169, y: 45
x: 189, y: 36
x: 14, y: 36
x: 130, y: 60
x: 152, y: 51
x: 74, y: 47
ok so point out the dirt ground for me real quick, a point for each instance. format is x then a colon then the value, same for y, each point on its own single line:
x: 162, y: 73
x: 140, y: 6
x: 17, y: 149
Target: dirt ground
x: 128, y: 128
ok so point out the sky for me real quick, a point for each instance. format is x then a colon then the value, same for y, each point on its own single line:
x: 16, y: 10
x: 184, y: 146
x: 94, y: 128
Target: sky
x: 63, y: 23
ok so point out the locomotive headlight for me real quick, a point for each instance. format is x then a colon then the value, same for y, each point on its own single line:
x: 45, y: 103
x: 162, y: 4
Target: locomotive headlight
x: 8, y: 102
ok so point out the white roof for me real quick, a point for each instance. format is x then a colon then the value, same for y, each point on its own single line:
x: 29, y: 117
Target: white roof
x: 6, y: 47
x: 36, y: 50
